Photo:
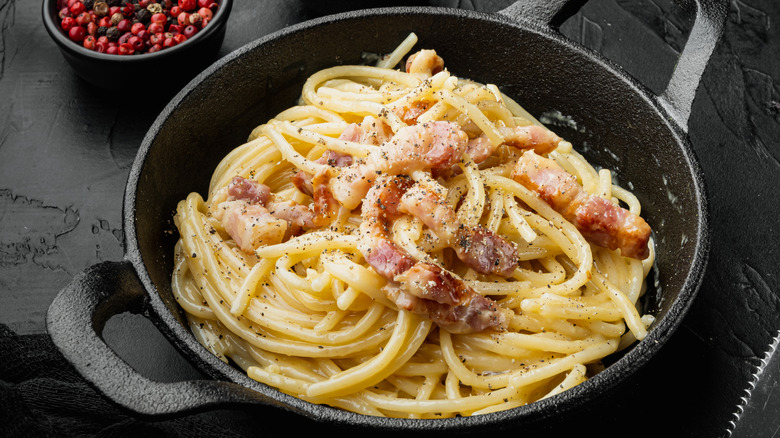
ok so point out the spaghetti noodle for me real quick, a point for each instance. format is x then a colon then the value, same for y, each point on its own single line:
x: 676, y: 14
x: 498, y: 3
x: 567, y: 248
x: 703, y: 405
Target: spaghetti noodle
x: 348, y: 254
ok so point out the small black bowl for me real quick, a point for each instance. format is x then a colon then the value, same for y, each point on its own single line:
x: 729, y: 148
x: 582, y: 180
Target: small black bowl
x: 177, y: 64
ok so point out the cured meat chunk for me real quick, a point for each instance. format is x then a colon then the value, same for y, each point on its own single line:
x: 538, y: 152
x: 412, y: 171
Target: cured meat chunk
x: 253, y: 219
x: 248, y: 190
x: 600, y: 221
x: 475, y: 314
x: 425, y: 62
x: 418, y: 286
x: 477, y: 247
x: 251, y: 225
x: 533, y: 137
x: 436, y: 145
x: 425, y: 146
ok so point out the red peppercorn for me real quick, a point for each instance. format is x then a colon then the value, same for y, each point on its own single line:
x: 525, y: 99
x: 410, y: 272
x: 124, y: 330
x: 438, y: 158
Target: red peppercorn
x: 205, y: 13
x: 137, y: 27
x: 92, y: 28
x: 101, y: 47
x: 154, y: 48
x: 156, y: 28
x: 89, y: 42
x: 169, y: 42
x: 126, y: 49
x: 188, y: 5
x: 156, y: 38
x: 105, y: 22
x: 175, y: 11
x: 67, y: 23
x: 183, y: 18
x: 205, y: 3
x: 124, y: 38
x: 77, y: 33
x: 189, y: 31
x: 64, y: 12
x: 84, y: 18
x: 179, y: 38
x: 137, y: 43
x: 174, y: 28
x: 77, y: 8
x: 124, y: 25
x: 159, y: 18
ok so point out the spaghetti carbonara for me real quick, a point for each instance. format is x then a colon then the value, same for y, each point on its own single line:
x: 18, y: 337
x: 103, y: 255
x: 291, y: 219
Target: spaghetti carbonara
x: 408, y: 243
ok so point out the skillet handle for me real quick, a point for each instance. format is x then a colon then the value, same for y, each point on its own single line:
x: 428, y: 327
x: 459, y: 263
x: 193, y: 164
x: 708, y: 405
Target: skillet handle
x: 677, y: 98
x: 75, y: 322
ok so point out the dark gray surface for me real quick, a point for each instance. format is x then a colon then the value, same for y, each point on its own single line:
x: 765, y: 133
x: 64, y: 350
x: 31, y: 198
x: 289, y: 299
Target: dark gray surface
x: 66, y: 149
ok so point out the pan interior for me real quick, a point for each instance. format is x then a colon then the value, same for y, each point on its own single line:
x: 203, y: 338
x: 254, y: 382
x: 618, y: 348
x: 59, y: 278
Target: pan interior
x: 607, y: 117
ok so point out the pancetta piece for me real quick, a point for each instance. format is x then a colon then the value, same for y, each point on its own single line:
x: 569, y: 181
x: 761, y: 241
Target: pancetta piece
x: 252, y: 218
x: 600, y: 221
x: 532, y: 137
x: 477, y: 247
x: 418, y: 286
x: 425, y: 63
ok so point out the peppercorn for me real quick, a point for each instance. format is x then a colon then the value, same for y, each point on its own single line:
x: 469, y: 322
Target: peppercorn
x: 101, y: 30
x: 114, y: 2
x: 113, y: 33
x: 143, y: 15
x: 89, y: 4
x: 100, y: 9
x: 155, y: 8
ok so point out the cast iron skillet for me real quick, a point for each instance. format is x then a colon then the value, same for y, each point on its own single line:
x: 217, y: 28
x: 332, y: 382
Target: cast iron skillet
x: 629, y: 128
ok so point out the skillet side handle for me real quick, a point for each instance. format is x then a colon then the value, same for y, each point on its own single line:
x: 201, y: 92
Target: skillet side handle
x: 75, y: 322
x: 677, y: 98
x: 548, y: 13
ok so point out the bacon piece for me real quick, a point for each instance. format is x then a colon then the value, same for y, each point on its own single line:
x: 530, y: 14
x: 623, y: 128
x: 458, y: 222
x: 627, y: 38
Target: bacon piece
x: 425, y: 62
x: 252, y: 218
x: 477, y: 247
x: 353, y: 180
x: 303, y: 181
x: 434, y: 145
x: 600, y: 221
x: 474, y: 313
x: 412, y: 111
x: 295, y: 214
x: 418, y: 286
x: 537, y: 138
x: 251, y: 225
x: 370, y: 131
x: 248, y: 190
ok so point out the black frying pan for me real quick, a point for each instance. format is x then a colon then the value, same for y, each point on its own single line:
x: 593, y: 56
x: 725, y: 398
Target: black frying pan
x: 639, y: 133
